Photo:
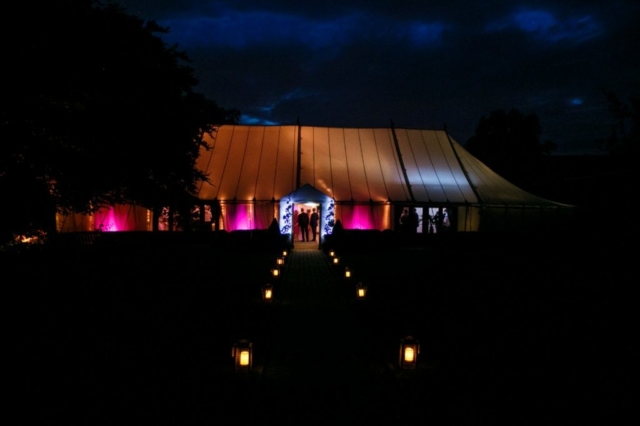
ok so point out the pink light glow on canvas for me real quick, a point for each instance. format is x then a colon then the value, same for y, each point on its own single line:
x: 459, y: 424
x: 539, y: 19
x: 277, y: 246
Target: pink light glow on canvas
x: 238, y: 217
x: 242, y: 219
x: 356, y: 217
x: 121, y: 218
x: 108, y: 220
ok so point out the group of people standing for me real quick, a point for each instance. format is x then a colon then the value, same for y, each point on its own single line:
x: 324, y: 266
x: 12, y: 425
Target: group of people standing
x: 303, y: 220
x: 410, y: 221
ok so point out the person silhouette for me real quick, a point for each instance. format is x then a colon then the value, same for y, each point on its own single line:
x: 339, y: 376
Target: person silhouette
x: 295, y: 224
x: 313, y: 223
x: 404, y: 221
x: 414, y: 221
x: 303, y: 223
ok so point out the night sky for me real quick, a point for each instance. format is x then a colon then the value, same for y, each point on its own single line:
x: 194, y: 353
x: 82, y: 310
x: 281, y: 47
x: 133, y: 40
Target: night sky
x: 421, y: 64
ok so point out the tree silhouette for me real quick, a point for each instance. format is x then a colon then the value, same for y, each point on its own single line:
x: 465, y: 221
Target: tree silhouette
x: 624, y: 140
x: 95, y: 110
x: 509, y: 143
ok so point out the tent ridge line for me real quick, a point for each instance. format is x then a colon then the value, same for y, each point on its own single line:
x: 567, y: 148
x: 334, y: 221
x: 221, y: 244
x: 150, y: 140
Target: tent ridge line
x: 404, y: 170
x: 464, y: 170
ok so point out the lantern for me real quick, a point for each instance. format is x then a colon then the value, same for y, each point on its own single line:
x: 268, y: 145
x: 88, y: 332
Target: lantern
x: 409, y: 350
x: 280, y: 261
x: 332, y: 253
x: 336, y: 260
x: 275, y: 272
x: 285, y: 253
x: 347, y: 273
x: 361, y: 291
x: 267, y: 293
x: 242, y: 353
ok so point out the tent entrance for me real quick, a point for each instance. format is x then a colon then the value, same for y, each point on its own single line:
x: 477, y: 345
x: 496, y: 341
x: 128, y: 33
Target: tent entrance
x: 309, y: 207
x: 306, y: 197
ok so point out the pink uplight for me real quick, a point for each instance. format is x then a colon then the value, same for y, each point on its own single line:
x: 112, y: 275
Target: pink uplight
x: 357, y: 217
x: 108, y: 220
x: 239, y: 217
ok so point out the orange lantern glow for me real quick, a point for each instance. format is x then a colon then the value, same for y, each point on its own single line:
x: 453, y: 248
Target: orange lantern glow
x: 336, y: 260
x: 267, y: 293
x: 409, y: 350
x: 332, y: 253
x: 275, y: 272
x: 409, y: 354
x: 280, y: 261
x: 361, y: 291
x: 242, y: 353
x: 347, y: 273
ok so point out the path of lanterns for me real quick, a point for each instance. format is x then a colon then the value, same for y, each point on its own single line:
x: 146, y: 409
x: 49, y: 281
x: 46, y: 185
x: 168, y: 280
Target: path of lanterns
x: 316, y: 357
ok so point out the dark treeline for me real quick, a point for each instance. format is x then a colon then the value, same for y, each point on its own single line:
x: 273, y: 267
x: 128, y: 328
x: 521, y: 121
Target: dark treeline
x: 95, y: 109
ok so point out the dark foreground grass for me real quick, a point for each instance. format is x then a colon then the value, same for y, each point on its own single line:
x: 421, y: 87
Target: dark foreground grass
x: 524, y: 328
x: 527, y: 330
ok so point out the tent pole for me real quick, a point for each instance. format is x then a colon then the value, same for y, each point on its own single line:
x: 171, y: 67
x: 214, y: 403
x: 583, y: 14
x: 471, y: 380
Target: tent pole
x: 293, y: 226
x: 319, y: 225
x: 299, y: 155
x: 404, y: 170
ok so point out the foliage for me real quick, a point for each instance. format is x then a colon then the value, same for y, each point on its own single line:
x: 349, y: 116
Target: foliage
x: 22, y: 242
x: 95, y: 110
x: 509, y: 143
x: 329, y: 218
x: 624, y: 140
x: 288, y: 217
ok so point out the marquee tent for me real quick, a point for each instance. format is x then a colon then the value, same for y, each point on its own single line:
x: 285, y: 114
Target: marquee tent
x: 363, y: 177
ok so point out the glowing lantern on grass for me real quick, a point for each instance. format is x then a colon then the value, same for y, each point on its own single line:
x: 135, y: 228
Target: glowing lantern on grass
x: 275, y: 272
x: 409, y: 350
x: 361, y: 291
x: 347, y: 273
x: 267, y: 293
x: 336, y: 260
x: 280, y: 261
x: 242, y: 353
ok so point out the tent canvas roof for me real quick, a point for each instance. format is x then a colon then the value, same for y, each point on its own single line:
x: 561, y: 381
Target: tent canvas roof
x: 307, y: 193
x: 350, y: 164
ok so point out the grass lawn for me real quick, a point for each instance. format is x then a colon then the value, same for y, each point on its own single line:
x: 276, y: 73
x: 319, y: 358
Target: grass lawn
x: 536, y: 328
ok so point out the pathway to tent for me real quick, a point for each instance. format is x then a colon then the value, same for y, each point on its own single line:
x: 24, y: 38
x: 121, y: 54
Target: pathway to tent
x: 318, y: 369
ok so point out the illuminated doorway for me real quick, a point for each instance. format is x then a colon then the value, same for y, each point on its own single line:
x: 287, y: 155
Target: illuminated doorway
x: 309, y: 207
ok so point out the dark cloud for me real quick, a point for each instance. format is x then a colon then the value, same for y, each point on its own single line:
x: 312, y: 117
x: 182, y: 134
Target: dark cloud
x: 353, y: 63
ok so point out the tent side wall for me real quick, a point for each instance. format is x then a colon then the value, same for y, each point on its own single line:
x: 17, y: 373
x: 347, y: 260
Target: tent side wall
x: 119, y: 217
x: 235, y: 216
x: 365, y: 215
x: 468, y: 218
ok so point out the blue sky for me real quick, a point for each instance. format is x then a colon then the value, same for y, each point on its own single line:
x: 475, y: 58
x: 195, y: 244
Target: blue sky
x: 420, y: 64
